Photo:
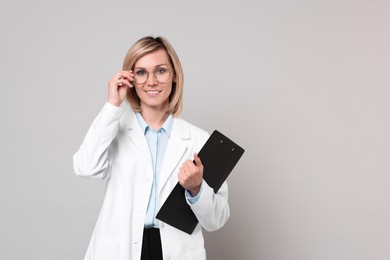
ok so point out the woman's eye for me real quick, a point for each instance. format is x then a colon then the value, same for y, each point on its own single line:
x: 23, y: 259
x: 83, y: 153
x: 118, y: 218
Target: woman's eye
x: 161, y: 70
x: 141, y: 73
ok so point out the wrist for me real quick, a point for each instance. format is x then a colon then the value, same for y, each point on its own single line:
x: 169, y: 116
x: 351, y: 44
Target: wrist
x: 194, y: 191
x: 114, y: 103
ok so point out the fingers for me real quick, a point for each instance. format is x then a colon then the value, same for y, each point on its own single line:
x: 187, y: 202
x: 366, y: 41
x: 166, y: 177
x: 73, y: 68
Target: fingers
x: 118, y: 86
x: 198, y: 162
x: 126, y: 78
x: 122, y: 78
x: 191, y: 175
x: 127, y: 75
x: 189, y: 167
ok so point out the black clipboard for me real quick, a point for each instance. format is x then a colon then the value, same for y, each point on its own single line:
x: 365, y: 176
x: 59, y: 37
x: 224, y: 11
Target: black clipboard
x: 219, y: 156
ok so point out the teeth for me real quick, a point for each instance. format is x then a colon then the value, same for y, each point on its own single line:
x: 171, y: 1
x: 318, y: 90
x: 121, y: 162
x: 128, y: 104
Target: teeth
x: 152, y: 93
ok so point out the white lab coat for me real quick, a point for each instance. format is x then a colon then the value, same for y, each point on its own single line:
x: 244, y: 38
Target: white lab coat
x: 115, y: 149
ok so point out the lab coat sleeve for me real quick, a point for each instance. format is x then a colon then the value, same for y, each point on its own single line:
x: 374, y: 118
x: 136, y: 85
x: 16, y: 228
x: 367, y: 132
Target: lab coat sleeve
x: 212, y: 210
x: 92, y: 160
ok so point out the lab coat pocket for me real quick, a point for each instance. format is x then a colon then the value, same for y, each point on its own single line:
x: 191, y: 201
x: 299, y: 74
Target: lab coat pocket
x: 105, y: 249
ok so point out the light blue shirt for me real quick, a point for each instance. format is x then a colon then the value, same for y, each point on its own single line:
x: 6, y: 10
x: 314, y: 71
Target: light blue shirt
x: 158, y: 142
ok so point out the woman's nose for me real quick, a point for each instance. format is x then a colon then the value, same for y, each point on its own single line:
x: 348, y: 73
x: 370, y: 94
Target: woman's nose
x: 151, y: 80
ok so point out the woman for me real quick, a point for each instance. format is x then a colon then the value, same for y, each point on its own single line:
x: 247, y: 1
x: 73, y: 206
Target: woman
x: 140, y: 146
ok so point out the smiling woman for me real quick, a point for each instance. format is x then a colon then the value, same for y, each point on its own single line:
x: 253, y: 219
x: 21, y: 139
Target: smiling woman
x: 142, y: 149
x: 153, y: 91
x: 162, y: 56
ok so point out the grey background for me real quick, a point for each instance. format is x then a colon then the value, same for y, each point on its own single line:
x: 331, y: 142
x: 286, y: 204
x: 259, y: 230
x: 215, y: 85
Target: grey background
x: 302, y: 85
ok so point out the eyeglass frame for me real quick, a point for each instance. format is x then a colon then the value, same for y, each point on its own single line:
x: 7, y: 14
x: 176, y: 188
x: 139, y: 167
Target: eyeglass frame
x: 154, y: 74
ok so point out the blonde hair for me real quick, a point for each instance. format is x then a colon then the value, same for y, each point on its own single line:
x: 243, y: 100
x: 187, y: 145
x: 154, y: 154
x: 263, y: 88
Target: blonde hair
x: 146, y: 46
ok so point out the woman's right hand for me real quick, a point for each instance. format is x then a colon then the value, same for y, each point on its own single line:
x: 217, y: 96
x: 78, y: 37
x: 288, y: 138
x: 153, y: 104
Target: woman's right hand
x: 118, y: 85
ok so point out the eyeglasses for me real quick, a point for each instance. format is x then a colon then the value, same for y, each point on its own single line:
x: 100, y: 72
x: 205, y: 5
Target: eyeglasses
x: 161, y: 74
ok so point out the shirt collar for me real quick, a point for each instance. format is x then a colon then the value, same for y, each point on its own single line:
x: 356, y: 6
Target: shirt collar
x: 167, y: 126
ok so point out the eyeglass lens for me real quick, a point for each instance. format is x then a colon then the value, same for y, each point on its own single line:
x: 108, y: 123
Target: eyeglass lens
x: 160, y: 74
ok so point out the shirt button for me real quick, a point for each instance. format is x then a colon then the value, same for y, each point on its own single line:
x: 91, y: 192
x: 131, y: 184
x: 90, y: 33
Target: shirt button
x: 162, y: 225
x: 167, y: 257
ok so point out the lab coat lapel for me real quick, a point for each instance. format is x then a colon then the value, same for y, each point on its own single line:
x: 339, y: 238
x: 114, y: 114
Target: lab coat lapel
x: 174, y: 151
x: 130, y: 125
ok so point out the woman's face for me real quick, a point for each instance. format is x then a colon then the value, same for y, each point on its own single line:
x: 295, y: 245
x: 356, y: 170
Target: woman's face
x: 158, y: 72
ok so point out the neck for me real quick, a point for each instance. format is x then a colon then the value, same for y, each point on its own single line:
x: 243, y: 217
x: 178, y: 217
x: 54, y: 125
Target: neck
x: 154, y: 118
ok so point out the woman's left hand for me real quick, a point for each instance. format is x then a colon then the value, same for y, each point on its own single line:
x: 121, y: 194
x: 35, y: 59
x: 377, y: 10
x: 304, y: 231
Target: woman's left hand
x: 191, y: 175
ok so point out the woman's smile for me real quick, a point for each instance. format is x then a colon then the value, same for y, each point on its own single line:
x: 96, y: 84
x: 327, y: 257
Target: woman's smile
x: 153, y: 93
